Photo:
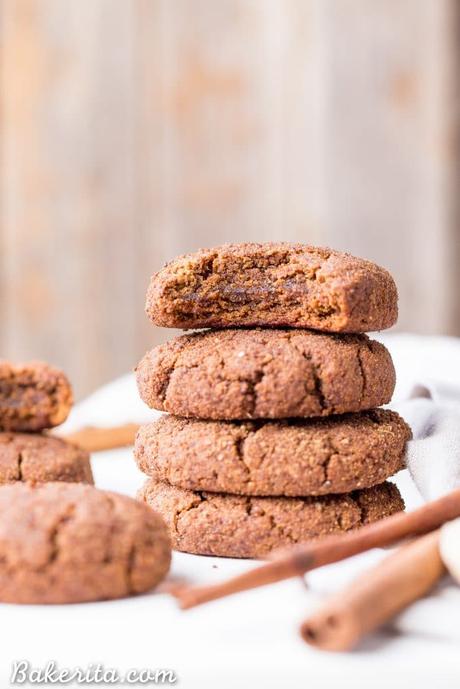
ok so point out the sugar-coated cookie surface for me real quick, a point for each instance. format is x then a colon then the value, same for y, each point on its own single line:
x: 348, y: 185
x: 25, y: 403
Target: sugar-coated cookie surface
x: 69, y: 543
x: 272, y: 284
x: 33, y: 396
x: 41, y: 458
x: 266, y: 373
x: 251, y: 527
x: 274, y: 458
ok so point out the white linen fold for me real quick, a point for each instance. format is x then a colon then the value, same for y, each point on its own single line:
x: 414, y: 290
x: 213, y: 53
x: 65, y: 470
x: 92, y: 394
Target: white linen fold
x: 433, y: 456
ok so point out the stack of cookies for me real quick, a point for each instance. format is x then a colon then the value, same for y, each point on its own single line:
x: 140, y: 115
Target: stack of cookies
x: 274, y: 435
x: 35, y: 397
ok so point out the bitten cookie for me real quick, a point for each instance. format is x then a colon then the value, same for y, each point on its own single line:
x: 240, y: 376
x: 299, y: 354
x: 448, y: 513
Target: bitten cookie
x: 235, y: 526
x: 290, y: 458
x: 33, y: 396
x: 41, y: 458
x: 244, y: 374
x: 273, y: 285
x: 69, y: 543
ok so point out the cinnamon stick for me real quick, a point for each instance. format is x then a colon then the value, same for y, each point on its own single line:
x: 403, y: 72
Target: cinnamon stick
x: 303, y: 558
x: 94, y: 439
x: 376, y: 596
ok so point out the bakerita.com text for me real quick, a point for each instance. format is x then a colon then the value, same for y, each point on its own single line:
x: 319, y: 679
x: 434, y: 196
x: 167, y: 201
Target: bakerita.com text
x: 22, y: 671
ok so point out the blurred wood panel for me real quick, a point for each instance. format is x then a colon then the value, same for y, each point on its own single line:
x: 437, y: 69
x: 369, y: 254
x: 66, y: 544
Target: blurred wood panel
x: 133, y: 130
x: 392, y: 148
x: 69, y: 248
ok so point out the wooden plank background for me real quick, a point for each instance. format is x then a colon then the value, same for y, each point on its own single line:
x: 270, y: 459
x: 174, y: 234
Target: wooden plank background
x: 133, y: 130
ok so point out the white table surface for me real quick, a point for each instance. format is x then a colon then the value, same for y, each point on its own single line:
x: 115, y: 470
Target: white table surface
x: 249, y: 640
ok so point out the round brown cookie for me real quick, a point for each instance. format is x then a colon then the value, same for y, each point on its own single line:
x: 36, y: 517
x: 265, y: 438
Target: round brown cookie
x: 288, y: 458
x: 69, y: 543
x: 273, y: 285
x: 235, y: 526
x: 242, y: 374
x: 42, y: 458
x: 33, y: 396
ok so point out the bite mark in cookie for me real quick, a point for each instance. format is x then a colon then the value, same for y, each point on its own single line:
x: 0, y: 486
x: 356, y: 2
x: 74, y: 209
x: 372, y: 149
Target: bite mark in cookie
x: 33, y: 396
x: 273, y: 284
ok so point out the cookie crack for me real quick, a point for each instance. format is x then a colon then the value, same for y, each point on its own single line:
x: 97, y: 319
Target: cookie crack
x: 199, y: 499
x: 319, y: 388
x: 108, y: 556
x: 19, y: 467
x: 166, y: 382
x: 362, y: 372
x: 326, y: 463
x: 239, y: 449
x: 362, y: 509
x: 252, y: 384
x: 248, y: 506
x: 129, y: 561
x: 281, y: 530
x: 128, y: 565
x: 240, y: 443
x: 56, y: 531
x: 317, y: 381
x: 163, y: 391
x: 274, y: 524
x: 129, y: 569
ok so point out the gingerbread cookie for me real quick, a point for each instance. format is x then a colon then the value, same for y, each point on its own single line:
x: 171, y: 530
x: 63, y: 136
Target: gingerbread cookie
x: 41, y: 458
x: 252, y: 527
x: 249, y: 374
x: 33, y: 396
x: 69, y: 543
x: 290, y: 458
x: 273, y: 285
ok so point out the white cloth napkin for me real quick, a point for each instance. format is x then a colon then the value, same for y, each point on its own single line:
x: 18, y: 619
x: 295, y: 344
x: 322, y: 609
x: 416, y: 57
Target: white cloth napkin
x: 428, y: 397
x: 433, y: 456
